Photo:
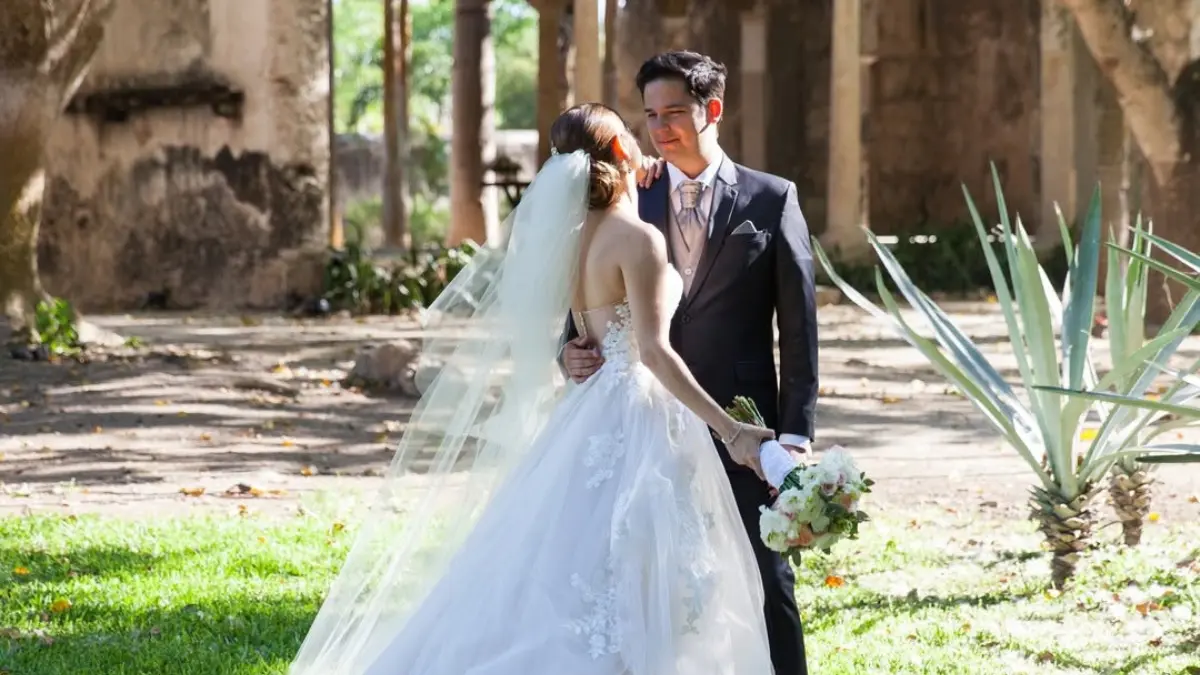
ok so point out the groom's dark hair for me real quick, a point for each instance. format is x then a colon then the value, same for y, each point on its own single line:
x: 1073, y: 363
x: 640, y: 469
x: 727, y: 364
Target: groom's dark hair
x: 703, y: 77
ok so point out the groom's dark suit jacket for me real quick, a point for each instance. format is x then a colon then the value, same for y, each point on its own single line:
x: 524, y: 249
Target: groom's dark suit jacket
x: 723, y: 329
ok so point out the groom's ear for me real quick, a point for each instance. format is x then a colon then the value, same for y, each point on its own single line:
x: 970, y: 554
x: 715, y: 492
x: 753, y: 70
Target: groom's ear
x: 715, y: 109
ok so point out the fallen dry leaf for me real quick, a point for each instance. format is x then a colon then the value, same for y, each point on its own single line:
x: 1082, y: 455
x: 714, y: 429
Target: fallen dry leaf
x: 192, y: 491
x: 1153, y: 517
x: 308, y: 471
x: 1145, y: 608
x: 21, y: 571
x: 1194, y: 499
x: 833, y: 581
x: 60, y: 605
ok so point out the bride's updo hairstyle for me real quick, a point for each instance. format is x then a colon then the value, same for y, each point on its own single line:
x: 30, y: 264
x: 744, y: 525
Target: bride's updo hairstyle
x: 592, y: 127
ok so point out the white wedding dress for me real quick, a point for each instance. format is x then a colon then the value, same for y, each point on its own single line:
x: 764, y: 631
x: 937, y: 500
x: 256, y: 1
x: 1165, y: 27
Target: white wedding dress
x: 614, y: 548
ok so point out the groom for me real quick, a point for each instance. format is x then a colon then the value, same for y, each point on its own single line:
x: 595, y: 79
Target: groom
x: 739, y: 240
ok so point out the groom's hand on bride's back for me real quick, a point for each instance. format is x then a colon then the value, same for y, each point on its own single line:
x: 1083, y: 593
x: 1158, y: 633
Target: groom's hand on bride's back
x: 581, y: 359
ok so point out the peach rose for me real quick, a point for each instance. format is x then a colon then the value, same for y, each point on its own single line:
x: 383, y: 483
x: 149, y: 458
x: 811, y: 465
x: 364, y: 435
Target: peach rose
x: 804, y: 538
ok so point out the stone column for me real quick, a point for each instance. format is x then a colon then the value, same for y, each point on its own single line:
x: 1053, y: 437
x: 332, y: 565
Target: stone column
x: 1060, y: 56
x: 589, y: 85
x: 1112, y: 164
x: 753, y: 115
x: 845, y: 207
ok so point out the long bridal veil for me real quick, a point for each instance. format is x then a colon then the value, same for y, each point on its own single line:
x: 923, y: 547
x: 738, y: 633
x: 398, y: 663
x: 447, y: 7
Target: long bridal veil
x: 489, y: 379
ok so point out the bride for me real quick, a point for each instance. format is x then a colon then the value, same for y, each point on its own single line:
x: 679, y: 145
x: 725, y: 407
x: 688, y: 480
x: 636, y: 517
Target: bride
x: 529, y: 530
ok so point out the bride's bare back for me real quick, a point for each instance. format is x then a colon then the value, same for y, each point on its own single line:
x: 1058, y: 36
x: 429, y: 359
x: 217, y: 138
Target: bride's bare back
x: 600, y: 284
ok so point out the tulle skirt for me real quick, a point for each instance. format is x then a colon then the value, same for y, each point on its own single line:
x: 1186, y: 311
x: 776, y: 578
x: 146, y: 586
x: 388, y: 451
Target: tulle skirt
x: 615, y: 548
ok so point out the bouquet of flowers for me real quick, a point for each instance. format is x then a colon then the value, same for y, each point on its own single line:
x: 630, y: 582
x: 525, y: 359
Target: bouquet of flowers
x: 817, y: 505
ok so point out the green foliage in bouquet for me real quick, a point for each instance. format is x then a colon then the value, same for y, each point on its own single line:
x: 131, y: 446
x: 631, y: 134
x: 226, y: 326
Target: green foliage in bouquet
x: 1045, y: 426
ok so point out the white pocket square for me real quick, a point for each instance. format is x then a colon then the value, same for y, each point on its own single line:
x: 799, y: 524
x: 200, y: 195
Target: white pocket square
x: 746, y: 227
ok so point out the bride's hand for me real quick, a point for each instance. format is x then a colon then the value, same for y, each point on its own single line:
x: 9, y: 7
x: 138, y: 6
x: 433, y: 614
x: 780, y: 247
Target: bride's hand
x: 744, y: 445
x: 650, y: 170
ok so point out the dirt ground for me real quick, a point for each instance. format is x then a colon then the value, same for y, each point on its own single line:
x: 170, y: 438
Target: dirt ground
x: 222, y: 401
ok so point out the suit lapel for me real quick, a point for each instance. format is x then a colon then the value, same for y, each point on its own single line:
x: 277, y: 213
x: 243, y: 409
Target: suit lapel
x: 653, y: 205
x: 725, y: 196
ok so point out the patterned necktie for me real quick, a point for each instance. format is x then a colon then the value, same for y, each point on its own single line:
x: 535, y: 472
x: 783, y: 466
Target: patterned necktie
x: 689, y: 218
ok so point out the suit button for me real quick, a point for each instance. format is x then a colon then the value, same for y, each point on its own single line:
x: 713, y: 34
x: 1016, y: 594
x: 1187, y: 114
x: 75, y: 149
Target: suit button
x: 686, y: 318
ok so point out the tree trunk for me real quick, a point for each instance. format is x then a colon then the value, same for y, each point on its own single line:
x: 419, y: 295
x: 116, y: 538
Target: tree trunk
x: 44, y: 51
x: 553, y: 83
x: 1175, y: 211
x: 396, y: 51
x: 1159, y: 90
x: 611, y: 8
x: 20, y: 287
x: 589, y: 87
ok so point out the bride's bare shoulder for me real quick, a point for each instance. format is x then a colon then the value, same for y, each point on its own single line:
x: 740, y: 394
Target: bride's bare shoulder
x: 629, y: 226
x: 634, y: 239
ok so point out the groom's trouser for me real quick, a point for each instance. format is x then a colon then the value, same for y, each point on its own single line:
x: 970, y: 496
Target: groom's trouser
x: 779, y: 583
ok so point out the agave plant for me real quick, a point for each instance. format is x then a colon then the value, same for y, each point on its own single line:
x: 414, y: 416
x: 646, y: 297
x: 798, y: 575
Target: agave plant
x: 1171, y: 405
x: 1131, y: 482
x: 1044, y: 427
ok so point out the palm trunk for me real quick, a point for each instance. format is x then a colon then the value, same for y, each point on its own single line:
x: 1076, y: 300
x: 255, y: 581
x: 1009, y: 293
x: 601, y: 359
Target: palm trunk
x: 1130, y: 486
x: 1066, y: 525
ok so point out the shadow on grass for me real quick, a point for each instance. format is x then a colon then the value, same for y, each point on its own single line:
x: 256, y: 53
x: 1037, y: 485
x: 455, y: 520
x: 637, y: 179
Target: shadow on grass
x: 1188, y: 644
x: 1013, y: 556
x: 825, y: 615
x: 234, y: 636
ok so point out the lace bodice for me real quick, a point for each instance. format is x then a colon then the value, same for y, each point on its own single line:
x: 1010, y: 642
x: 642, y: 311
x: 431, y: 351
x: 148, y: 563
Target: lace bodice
x: 611, y: 326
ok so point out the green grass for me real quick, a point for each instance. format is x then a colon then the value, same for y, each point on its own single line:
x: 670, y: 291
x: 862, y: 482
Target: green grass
x: 227, y: 596
x: 938, y: 594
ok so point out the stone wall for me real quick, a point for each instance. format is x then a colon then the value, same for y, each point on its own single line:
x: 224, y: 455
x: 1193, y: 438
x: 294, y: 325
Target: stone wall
x: 950, y: 90
x: 193, y: 164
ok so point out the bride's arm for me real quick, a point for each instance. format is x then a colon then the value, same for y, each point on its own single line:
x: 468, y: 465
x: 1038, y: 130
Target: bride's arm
x: 644, y: 269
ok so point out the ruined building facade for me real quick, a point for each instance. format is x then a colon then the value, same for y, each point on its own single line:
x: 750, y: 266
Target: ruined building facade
x: 193, y: 162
